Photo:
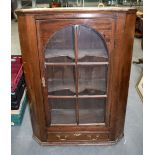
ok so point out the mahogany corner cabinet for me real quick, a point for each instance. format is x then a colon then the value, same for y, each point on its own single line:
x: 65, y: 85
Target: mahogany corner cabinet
x: 77, y: 66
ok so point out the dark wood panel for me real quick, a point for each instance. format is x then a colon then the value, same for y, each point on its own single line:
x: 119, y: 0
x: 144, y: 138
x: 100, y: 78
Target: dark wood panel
x: 125, y: 68
x: 116, y: 62
x: 32, y: 73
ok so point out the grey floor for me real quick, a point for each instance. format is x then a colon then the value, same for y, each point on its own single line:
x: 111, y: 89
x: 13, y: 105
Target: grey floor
x: 131, y: 144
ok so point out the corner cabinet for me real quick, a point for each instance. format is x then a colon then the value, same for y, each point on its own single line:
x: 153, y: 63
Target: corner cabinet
x: 77, y: 68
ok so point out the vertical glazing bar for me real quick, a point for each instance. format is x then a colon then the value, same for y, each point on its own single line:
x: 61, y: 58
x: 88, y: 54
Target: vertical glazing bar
x: 76, y: 29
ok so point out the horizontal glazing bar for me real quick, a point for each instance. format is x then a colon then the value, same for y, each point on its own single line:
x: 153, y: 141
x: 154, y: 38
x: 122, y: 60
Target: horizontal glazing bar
x: 61, y: 97
x: 91, y: 124
x: 92, y: 96
x: 60, y: 64
x: 73, y: 64
x: 92, y: 63
x: 52, y: 124
x: 86, y: 124
x: 79, y: 96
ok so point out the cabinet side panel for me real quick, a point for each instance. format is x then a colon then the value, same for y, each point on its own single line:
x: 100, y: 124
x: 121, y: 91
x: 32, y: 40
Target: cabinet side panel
x: 114, y: 79
x: 124, y: 72
x: 28, y: 42
x: 120, y: 61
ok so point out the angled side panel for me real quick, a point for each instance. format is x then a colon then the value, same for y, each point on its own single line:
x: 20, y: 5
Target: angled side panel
x: 28, y: 42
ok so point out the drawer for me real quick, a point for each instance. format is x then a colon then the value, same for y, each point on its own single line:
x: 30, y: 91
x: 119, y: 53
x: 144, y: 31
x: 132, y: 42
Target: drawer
x: 64, y: 137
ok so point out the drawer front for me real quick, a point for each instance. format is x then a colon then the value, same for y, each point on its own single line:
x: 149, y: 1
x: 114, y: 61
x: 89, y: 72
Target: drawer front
x: 71, y: 137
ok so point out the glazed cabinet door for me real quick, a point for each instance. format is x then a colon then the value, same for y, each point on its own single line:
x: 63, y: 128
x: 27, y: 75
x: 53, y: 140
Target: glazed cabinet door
x: 75, y: 69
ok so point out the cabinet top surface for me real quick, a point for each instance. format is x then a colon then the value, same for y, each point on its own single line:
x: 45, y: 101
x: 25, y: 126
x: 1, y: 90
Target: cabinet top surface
x: 74, y: 10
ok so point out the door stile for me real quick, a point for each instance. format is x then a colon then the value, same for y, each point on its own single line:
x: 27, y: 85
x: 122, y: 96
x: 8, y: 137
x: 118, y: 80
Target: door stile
x: 76, y: 70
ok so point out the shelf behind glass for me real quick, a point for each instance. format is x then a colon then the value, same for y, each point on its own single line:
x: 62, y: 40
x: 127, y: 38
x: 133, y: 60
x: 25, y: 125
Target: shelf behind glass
x: 91, y: 110
x: 91, y: 46
x: 67, y: 55
x: 91, y: 55
x: 63, y: 111
x: 92, y: 80
x: 92, y: 87
x: 60, y: 46
x: 61, y: 87
x: 59, y: 55
x: 67, y: 87
x: 60, y: 80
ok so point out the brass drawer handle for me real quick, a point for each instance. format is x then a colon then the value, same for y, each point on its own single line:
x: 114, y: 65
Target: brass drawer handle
x: 60, y: 138
x: 77, y: 134
x: 93, y: 138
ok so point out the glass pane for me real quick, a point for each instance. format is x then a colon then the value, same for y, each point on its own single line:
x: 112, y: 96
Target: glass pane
x: 92, y: 80
x: 60, y: 47
x: 62, y: 111
x: 61, y: 80
x: 91, y: 46
x: 91, y: 110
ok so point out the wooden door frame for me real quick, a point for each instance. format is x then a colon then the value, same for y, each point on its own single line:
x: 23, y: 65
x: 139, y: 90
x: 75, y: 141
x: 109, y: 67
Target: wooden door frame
x: 41, y: 46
